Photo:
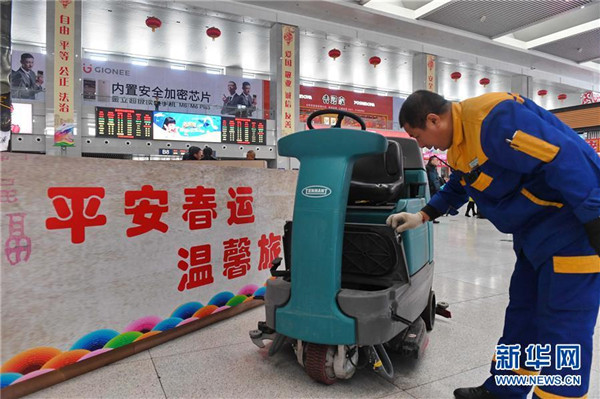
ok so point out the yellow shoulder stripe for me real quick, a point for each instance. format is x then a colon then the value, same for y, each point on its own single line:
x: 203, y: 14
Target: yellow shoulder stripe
x: 539, y: 201
x: 467, y: 118
x: 576, y: 264
x: 547, y: 395
x: 533, y: 146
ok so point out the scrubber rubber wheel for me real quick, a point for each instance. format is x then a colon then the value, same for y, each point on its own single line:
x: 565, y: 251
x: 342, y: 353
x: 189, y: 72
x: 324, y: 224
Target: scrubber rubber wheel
x: 428, y: 314
x: 317, y: 363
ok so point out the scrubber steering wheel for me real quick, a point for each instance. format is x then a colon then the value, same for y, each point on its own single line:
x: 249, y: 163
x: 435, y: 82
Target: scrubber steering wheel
x: 340, y: 117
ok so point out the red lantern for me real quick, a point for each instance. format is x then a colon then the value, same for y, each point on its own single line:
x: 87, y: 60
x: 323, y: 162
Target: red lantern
x: 484, y: 82
x: 375, y: 61
x: 213, y: 32
x: 334, y: 53
x: 153, y: 23
x: 455, y: 76
x: 542, y: 92
x: 562, y: 97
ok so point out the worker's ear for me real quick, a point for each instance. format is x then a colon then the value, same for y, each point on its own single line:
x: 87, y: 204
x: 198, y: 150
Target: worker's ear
x: 433, y: 119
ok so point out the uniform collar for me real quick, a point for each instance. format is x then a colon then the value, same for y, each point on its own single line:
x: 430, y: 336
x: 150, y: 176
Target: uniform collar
x: 458, y: 135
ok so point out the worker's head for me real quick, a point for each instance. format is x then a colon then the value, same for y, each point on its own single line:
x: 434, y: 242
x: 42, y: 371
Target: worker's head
x: 427, y: 117
x: 251, y: 155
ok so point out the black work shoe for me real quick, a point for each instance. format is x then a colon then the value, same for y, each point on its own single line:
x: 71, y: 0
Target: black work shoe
x: 473, y: 393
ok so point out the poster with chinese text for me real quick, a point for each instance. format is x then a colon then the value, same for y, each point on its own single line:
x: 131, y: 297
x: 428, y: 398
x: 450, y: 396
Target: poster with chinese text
x: 122, y: 241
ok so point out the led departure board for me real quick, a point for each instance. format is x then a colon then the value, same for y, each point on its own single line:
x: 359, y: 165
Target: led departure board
x: 243, y: 131
x: 123, y: 123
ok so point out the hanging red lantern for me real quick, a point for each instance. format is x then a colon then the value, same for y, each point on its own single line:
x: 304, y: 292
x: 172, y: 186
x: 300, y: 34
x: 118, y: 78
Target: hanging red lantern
x: 375, y: 61
x: 484, y: 82
x: 455, y: 76
x: 213, y: 32
x: 334, y: 53
x: 562, y: 97
x: 542, y: 92
x: 153, y: 23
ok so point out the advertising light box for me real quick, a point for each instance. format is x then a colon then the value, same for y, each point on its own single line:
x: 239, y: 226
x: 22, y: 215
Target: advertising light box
x: 243, y: 131
x: 21, y: 118
x: 187, y: 127
x: 123, y: 123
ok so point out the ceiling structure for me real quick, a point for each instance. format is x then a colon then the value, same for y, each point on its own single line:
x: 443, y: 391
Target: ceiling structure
x: 557, y: 42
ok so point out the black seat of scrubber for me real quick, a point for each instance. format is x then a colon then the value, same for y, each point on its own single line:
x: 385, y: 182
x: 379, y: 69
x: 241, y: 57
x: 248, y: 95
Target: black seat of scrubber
x: 378, y: 178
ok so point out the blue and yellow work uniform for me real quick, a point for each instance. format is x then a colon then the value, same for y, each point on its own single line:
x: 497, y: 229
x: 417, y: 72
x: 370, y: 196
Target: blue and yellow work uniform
x: 534, y: 177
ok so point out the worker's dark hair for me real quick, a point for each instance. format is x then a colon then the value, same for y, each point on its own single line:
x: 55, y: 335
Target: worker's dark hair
x: 193, y: 150
x: 24, y: 56
x: 418, y: 105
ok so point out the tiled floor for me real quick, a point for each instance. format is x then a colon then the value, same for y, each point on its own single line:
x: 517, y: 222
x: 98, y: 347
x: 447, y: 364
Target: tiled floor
x: 474, y: 263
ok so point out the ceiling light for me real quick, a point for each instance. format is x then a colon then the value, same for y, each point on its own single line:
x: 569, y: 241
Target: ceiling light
x: 139, y: 61
x: 307, y: 83
x: 249, y: 75
x: 575, y: 30
x: 382, y: 93
x: 358, y: 90
x: 178, y: 67
x: 214, y: 71
x: 334, y: 87
x: 97, y: 57
x: 97, y: 51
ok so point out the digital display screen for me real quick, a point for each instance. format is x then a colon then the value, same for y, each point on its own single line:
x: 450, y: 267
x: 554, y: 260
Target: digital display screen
x: 187, y: 127
x: 21, y: 118
x: 123, y: 123
x: 243, y: 131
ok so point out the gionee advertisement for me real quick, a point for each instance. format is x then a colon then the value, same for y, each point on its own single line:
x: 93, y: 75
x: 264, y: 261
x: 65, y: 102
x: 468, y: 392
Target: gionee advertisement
x: 118, y: 84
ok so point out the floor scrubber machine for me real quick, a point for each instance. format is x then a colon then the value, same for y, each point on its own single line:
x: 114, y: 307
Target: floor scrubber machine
x: 351, y: 288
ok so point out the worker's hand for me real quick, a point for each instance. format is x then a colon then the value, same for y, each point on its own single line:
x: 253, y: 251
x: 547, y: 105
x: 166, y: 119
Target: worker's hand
x: 404, y: 221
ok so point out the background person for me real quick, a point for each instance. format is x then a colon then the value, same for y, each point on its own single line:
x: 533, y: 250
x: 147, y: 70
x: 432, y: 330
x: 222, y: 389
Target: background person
x: 471, y: 208
x: 207, y: 154
x: 532, y: 176
x: 24, y: 82
x: 251, y: 155
x: 435, y: 181
x: 193, y: 154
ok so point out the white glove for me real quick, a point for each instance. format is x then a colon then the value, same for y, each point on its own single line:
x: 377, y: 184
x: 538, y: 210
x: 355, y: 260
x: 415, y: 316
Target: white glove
x: 404, y: 221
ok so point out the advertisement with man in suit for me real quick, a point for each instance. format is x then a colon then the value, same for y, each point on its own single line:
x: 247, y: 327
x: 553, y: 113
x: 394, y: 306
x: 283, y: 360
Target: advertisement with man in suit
x: 25, y: 82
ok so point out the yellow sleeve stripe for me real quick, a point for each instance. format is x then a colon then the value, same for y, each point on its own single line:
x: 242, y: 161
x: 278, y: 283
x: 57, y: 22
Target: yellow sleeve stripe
x: 546, y: 395
x: 463, y: 182
x: 577, y: 264
x: 483, y: 181
x: 539, y: 201
x: 533, y: 146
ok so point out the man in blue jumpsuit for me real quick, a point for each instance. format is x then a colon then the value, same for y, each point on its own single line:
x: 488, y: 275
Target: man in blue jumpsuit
x: 531, y: 176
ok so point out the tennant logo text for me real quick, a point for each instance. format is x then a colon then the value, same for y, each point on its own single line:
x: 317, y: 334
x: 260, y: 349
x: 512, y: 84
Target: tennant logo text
x: 316, y: 191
